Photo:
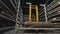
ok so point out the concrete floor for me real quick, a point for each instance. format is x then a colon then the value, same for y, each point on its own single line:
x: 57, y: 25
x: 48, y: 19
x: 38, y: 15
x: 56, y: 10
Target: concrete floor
x: 14, y: 32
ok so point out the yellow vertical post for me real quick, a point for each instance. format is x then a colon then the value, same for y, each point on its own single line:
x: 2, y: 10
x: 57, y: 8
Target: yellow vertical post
x: 30, y: 13
x: 36, y: 13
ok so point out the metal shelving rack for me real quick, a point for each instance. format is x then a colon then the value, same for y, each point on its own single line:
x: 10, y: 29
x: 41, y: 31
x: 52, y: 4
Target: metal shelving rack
x: 52, y: 11
x: 7, y: 13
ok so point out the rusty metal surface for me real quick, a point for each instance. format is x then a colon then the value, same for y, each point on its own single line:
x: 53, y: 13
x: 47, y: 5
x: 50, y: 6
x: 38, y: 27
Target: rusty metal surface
x: 41, y: 24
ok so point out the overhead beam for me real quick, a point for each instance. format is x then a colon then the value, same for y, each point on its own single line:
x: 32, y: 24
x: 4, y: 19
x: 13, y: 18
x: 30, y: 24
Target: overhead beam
x: 7, y: 18
x: 7, y: 7
x: 13, y: 4
x: 6, y: 11
x: 7, y: 14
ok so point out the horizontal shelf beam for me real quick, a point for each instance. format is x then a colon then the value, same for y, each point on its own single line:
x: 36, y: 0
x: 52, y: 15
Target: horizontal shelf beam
x: 53, y: 6
x: 7, y: 7
x: 54, y: 10
x: 53, y: 15
x: 13, y: 4
x: 8, y: 15
x: 7, y: 18
x: 39, y: 28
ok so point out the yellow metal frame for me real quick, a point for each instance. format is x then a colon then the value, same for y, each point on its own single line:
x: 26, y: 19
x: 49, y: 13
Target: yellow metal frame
x: 30, y: 11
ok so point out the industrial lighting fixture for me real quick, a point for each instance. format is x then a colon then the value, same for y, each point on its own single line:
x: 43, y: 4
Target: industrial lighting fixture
x: 58, y: 2
x: 58, y: 12
x: 42, y: 5
x: 54, y: 19
x: 28, y: 3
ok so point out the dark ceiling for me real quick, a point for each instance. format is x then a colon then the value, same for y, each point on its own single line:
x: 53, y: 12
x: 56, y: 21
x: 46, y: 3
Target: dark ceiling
x: 34, y: 2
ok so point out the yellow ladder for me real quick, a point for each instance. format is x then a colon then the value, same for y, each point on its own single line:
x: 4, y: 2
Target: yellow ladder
x: 30, y: 12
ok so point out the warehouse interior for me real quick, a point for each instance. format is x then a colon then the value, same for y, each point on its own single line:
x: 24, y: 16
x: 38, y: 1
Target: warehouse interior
x: 29, y: 16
